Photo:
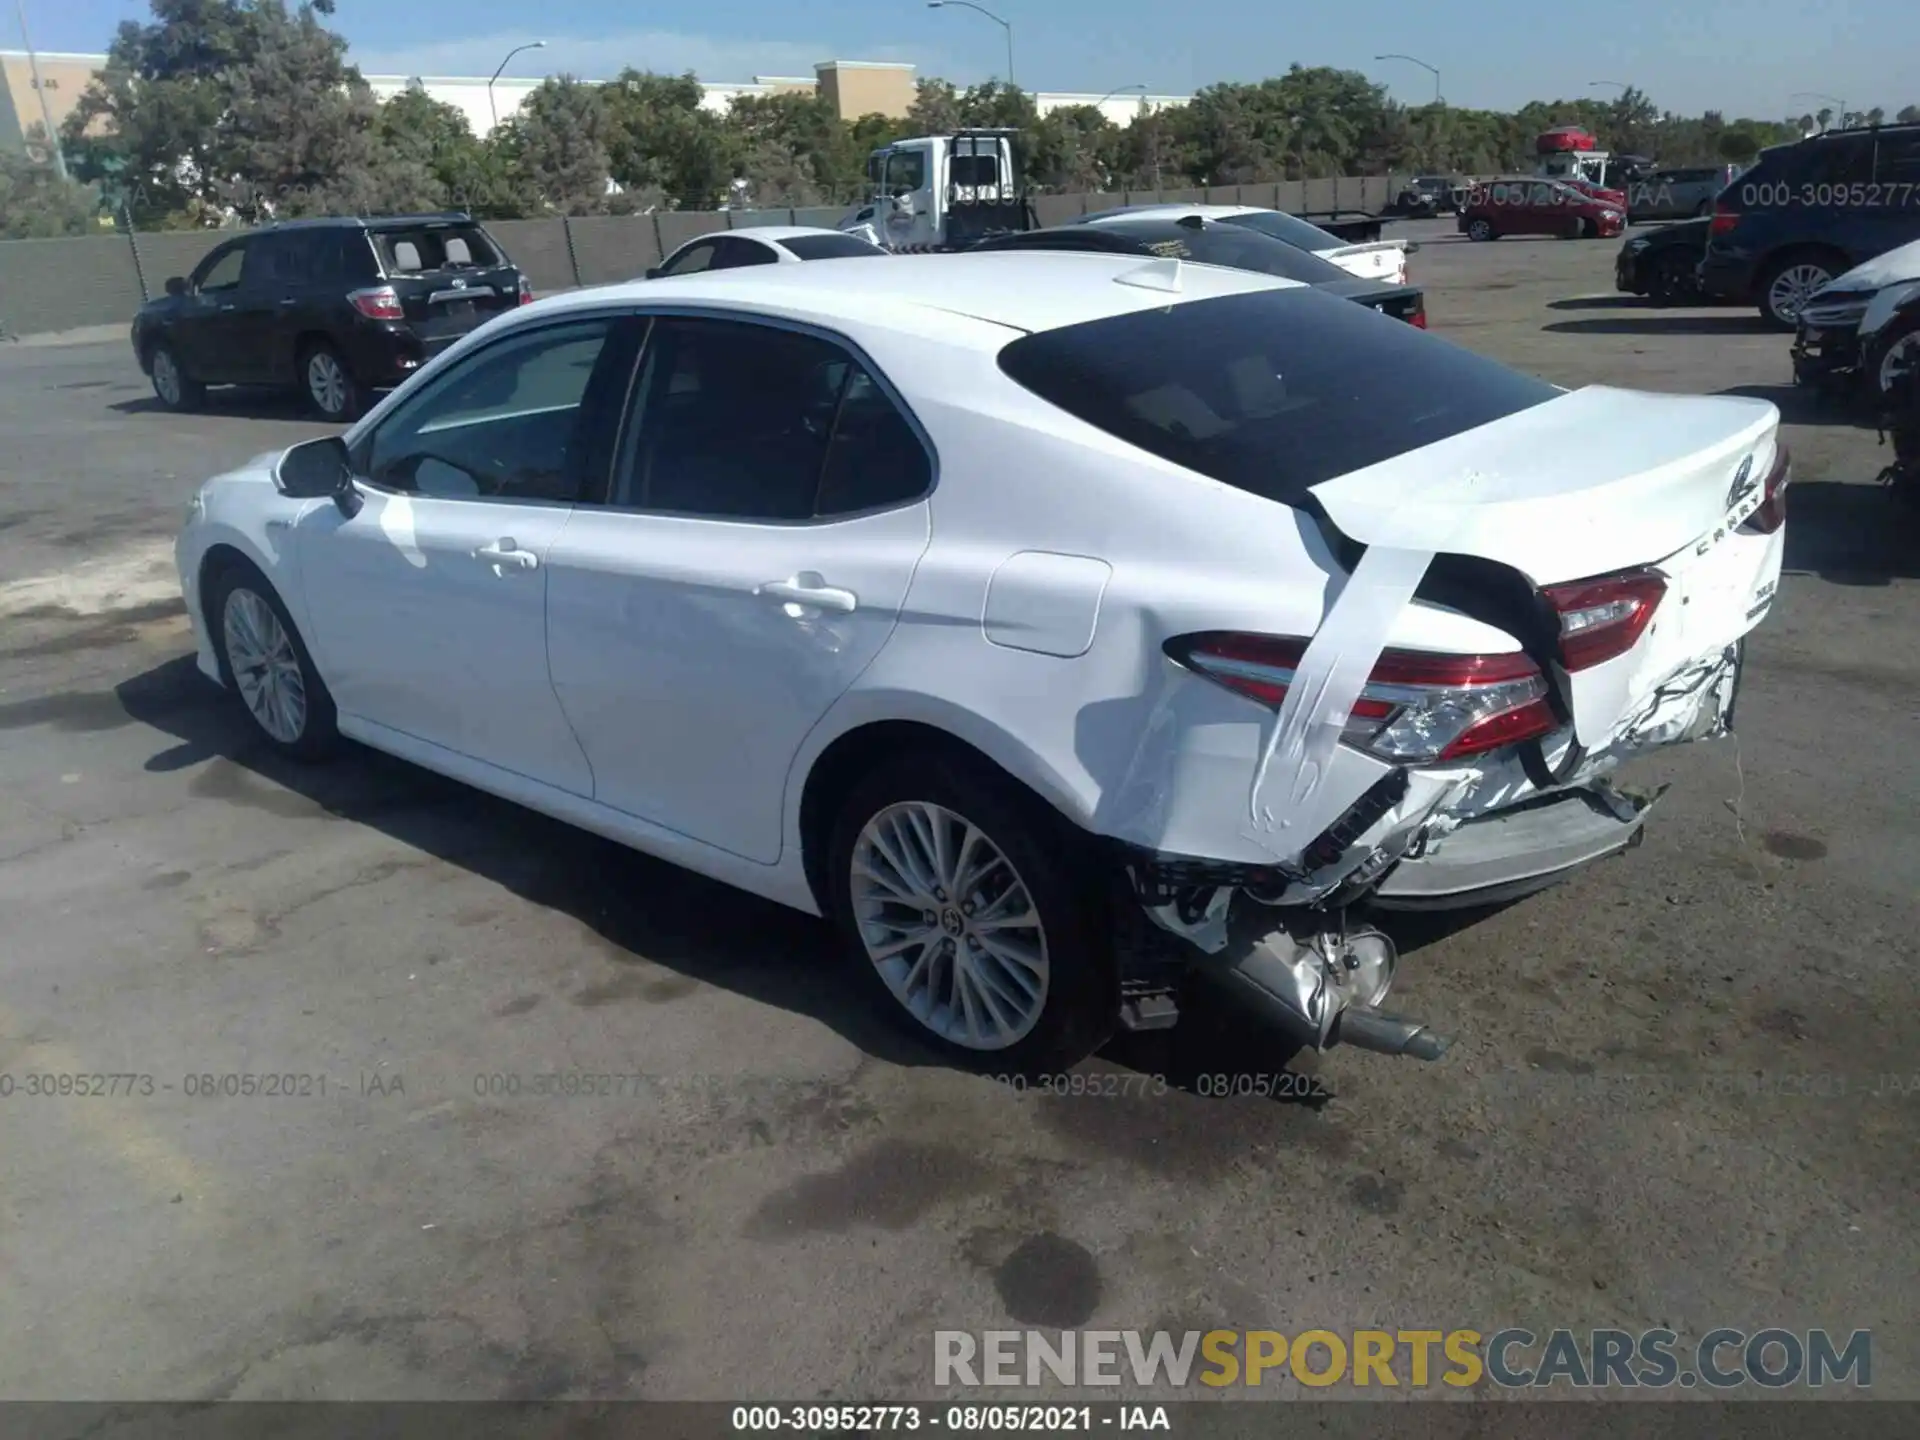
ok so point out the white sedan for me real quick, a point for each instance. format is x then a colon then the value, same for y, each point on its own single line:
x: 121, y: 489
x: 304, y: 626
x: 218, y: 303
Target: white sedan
x: 1056, y: 624
x: 763, y: 245
x: 1384, y: 260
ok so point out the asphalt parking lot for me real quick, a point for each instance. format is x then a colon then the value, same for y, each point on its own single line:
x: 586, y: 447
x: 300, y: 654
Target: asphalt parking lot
x: 1685, y: 1090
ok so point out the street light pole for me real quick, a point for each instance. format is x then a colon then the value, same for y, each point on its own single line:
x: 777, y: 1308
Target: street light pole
x: 982, y: 10
x: 493, y: 109
x: 1117, y: 90
x: 1621, y: 85
x: 40, y: 89
x: 1415, y: 60
x: 1833, y: 100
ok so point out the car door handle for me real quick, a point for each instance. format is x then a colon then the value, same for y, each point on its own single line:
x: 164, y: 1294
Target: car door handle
x: 809, y: 589
x: 505, y: 555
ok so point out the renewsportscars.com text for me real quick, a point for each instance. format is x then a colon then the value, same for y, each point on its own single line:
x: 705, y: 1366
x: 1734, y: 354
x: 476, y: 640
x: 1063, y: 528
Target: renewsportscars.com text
x: 1512, y: 1359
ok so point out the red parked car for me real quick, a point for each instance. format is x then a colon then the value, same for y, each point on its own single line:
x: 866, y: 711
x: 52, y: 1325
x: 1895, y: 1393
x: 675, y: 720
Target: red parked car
x: 1533, y: 206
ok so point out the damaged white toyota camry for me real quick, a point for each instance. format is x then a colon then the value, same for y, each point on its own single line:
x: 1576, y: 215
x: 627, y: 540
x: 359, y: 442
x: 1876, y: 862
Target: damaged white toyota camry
x: 1062, y: 626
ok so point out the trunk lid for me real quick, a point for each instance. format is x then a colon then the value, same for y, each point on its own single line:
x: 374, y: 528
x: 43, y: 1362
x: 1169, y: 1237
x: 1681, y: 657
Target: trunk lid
x: 1594, y: 481
x: 449, y: 275
x: 1376, y: 260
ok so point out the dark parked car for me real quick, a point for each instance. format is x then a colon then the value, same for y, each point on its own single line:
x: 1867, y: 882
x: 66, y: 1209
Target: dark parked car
x: 1217, y: 242
x: 1533, y: 206
x: 334, y: 308
x: 1810, y: 211
x: 1427, y: 195
x: 1664, y: 264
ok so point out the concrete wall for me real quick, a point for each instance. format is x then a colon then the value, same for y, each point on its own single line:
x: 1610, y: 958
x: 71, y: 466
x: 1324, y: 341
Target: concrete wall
x: 52, y: 285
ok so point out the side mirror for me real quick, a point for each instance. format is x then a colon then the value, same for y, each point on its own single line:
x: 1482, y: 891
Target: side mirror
x: 653, y: 272
x: 317, y: 468
x: 176, y: 286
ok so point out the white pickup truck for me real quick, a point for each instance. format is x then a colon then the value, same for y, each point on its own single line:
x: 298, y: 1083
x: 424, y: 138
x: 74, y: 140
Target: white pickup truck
x: 942, y: 192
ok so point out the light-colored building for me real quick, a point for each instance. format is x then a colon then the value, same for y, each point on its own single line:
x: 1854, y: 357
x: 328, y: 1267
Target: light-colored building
x: 854, y: 87
x: 24, y: 105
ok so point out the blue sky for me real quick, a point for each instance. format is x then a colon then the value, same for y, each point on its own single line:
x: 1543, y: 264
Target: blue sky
x: 1745, y: 58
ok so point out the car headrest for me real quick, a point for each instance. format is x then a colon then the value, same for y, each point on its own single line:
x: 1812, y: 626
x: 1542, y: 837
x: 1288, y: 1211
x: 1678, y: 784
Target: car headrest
x: 406, y: 255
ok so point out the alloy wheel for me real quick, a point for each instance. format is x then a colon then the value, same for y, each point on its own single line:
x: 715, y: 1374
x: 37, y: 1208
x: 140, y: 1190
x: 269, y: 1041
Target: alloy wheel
x: 1898, y: 362
x: 166, y: 377
x: 1792, y: 286
x: 326, y: 382
x: 950, y: 925
x: 266, y: 668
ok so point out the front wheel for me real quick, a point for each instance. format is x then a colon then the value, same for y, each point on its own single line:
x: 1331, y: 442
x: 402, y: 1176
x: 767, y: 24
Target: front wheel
x: 1893, y: 357
x: 969, y: 913
x: 1673, y: 280
x: 172, y: 386
x: 265, y: 665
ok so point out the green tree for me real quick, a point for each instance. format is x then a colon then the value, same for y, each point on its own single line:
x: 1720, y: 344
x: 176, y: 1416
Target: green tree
x: 36, y: 204
x: 663, y: 143
x: 557, y: 147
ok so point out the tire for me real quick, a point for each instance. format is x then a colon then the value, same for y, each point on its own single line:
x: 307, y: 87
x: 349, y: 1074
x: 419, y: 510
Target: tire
x: 1049, y: 1016
x: 1898, y: 345
x: 1481, y: 229
x: 237, y: 606
x: 1786, y: 283
x: 172, y: 386
x: 329, y: 387
x: 1672, y: 281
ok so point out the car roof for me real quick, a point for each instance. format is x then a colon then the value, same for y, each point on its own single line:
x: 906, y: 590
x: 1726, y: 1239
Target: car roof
x: 1007, y: 290
x: 1148, y: 212
x: 776, y: 232
x: 376, y: 222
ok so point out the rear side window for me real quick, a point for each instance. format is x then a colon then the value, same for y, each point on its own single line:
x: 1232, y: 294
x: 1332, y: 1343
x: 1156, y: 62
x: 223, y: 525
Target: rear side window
x: 1271, y: 392
x: 436, y: 247
x: 829, y: 247
x: 1898, y: 163
x: 1834, y: 162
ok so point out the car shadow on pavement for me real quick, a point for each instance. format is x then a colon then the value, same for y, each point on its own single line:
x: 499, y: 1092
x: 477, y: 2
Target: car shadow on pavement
x: 645, y: 909
x: 1850, y: 534
x: 1803, y: 405
x: 1669, y: 322
x: 1602, y: 302
x: 238, y: 402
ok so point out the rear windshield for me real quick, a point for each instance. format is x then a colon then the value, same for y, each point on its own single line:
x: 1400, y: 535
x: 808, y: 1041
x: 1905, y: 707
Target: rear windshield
x: 1271, y: 392
x: 1289, y: 228
x: 435, y: 247
x: 1232, y: 246
x: 829, y: 247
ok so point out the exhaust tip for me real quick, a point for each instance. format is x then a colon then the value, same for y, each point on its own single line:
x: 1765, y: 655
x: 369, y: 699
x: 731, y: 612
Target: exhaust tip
x: 1389, y: 1035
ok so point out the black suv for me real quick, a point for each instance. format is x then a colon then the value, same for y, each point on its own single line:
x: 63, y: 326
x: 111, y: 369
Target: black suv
x: 1809, y: 211
x: 334, y: 308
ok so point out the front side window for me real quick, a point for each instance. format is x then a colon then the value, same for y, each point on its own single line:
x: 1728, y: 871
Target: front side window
x: 503, y: 424
x: 1271, y: 392
x: 221, y: 270
x: 735, y: 254
x: 738, y: 421
x: 906, y: 172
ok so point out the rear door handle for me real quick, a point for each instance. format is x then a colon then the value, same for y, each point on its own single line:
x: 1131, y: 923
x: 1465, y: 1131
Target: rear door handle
x: 504, y: 555
x: 809, y: 589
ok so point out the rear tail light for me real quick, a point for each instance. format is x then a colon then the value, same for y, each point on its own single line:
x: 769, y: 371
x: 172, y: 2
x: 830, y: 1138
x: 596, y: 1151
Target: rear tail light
x: 526, y: 291
x: 1418, y: 707
x: 1772, y: 513
x: 1604, y: 618
x: 380, y: 303
x: 1725, y: 217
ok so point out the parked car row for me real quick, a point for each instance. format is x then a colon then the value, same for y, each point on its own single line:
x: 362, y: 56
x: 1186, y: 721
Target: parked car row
x: 340, y: 309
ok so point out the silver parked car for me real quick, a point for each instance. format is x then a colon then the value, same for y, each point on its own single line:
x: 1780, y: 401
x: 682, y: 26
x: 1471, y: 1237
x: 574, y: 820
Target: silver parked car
x: 1678, y: 194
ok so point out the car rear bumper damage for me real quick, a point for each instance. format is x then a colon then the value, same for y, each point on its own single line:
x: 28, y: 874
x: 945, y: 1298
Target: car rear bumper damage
x: 1277, y: 937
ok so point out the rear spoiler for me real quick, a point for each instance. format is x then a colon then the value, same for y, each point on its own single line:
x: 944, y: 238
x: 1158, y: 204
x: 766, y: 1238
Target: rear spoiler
x: 1365, y: 247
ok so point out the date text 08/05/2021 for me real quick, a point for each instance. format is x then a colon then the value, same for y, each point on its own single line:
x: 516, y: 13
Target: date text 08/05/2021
x: 956, y: 1419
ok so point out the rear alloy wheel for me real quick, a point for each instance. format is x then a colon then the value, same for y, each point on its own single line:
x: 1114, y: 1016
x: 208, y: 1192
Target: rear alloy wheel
x: 1480, y: 229
x: 329, y: 386
x: 266, y: 667
x: 172, y: 386
x: 1787, y: 285
x: 965, y: 913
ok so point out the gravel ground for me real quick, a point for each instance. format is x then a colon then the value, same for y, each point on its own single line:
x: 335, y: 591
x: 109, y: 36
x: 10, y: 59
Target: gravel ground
x: 1684, y: 1093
